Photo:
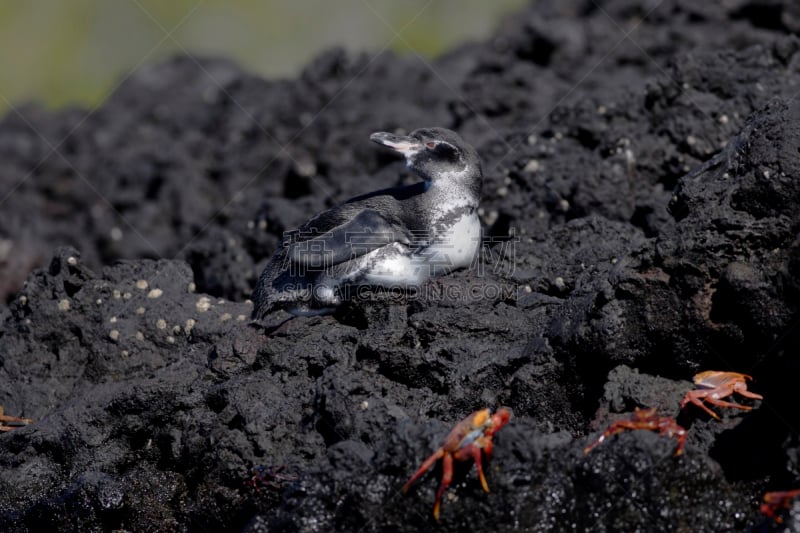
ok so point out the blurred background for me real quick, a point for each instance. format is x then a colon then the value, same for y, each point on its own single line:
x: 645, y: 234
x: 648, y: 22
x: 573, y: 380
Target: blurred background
x: 75, y: 52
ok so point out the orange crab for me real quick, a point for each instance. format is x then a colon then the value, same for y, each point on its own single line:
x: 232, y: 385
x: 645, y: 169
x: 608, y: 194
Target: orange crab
x: 7, y: 423
x: 775, y: 502
x: 644, y: 419
x: 715, y: 385
x: 468, y: 440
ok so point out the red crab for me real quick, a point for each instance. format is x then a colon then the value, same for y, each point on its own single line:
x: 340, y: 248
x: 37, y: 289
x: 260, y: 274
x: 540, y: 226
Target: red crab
x: 775, y: 502
x: 644, y: 419
x: 7, y: 423
x: 468, y: 439
x: 715, y: 385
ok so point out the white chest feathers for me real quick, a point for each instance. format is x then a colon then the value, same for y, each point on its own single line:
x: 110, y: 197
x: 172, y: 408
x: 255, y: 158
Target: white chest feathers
x: 454, y: 244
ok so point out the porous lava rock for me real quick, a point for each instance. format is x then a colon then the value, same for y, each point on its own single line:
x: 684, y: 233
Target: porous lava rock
x: 640, y: 207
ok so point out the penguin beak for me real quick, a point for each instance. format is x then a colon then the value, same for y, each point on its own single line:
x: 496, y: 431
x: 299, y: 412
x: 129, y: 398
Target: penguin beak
x: 405, y: 145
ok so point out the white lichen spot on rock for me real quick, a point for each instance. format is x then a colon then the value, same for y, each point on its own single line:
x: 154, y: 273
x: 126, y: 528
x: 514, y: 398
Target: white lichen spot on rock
x: 72, y: 260
x: 305, y: 168
x: 559, y: 283
x: 139, y: 336
x: 23, y: 300
x: 117, y: 294
x: 176, y: 329
x: 170, y: 339
x: 532, y: 166
x: 248, y: 302
x: 203, y: 304
x: 364, y: 405
x: 629, y: 157
x: 99, y: 301
x: 155, y: 293
x: 142, y: 284
x: 113, y: 335
x: 5, y: 248
x: 191, y: 287
x: 190, y: 322
x: 63, y: 305
x: 241, y: 318
x: 225, y: 317
x: 124, y: 353
x: 113, y: 320
x: 491, y: 217
x: 127, y: 296
x: 140, y: 310
x: 161, y: 323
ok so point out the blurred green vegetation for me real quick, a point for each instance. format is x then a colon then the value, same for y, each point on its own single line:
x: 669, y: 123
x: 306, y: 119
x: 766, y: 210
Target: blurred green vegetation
x: 76, y: 51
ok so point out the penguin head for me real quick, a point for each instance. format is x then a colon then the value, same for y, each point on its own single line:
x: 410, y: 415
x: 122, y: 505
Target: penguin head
x: 435, y: 154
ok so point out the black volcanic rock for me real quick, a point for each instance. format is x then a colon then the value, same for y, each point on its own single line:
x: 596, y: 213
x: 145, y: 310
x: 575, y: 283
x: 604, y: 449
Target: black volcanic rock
x: 641, y: 207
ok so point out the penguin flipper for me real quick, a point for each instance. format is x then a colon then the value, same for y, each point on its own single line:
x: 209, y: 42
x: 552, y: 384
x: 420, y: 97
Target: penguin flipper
x: 359, y: 235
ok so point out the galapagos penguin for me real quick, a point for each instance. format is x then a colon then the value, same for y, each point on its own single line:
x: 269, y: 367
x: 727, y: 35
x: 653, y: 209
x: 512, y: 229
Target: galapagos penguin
x: 393, y: 238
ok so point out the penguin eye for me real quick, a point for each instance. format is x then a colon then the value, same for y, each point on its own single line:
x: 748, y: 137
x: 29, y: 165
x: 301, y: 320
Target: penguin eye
x: 430, y: 145
x: 446, y: 151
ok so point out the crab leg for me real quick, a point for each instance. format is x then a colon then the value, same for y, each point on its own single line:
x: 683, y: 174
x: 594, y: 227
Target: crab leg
x: 723, y: 403
x: 476, y: 455
x: 7, y: 423
x: 488, y: 447
x: 679, y: 434
x: 748, y: 394
x: 774, y: 502
x: 617, y: 427
x: 699, y: 403
x: 600, y: 440
x: 429, y: 462
x: 447, y: 477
